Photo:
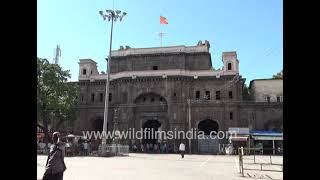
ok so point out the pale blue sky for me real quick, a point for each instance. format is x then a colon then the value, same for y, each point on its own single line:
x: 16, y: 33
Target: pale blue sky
x: 253, y: 28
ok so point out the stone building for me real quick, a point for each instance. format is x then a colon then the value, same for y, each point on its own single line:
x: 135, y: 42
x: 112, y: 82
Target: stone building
x: 151, y: 88
x: 266, y: 90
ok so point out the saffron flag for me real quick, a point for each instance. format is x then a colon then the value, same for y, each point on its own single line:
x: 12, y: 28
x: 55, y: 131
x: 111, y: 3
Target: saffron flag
x: 163, y: 20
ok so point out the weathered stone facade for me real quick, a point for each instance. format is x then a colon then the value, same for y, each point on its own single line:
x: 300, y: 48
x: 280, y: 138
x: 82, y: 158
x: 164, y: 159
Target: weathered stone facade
x: 264, y: 90
x: 156, y: 83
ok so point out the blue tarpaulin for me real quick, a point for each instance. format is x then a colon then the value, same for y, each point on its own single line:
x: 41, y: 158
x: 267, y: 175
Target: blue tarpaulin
x: 265, y: 133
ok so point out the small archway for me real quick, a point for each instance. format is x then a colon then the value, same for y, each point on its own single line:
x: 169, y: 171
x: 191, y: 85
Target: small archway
x: 97, y: 124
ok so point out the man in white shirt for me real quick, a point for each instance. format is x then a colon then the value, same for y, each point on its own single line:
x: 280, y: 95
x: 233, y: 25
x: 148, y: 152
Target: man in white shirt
x: 182, y: 149
x: 86, y: 148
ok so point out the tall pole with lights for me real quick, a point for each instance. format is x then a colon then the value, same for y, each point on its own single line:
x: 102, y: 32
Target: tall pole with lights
x: 189, y: 121
x: 110, y: 15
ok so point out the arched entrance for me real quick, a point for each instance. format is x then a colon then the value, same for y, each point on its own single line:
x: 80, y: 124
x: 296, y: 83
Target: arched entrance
x: 149, y: 109
x: 208, y: 126
x: 209, y: 144
x: 150, y: 127
x: 97, y: 124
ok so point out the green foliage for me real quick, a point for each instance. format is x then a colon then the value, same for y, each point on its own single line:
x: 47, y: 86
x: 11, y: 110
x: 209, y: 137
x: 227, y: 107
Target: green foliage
x: 55, y: 96
x: 213, y: 69
x: 279, y: 75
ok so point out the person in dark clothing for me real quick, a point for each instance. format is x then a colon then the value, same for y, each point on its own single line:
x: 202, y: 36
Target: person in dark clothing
x: 55, y: 165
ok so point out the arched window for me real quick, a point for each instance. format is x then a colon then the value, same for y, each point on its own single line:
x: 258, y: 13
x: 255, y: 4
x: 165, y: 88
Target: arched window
x: 92, y: 97
x: 82, y: 97
x: 229, y: 66
x: 84, y: 71
x: 101, y: 97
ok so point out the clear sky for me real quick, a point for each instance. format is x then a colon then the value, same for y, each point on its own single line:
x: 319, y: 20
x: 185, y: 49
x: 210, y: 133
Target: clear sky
x: 253, y: 28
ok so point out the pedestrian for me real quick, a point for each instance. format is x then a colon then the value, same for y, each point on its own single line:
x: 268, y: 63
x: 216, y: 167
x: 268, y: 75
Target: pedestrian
x: 155, y: 147
x: 85, y: 148
x: 182, y: 149
x: 148, y: 147
x: 161, y: 148
x: 165, y: 148
x: 55, y: 165
x: 134, y: 148
x: 142, y: 147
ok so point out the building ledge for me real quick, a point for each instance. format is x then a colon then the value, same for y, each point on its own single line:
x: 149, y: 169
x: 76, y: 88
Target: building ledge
x: 160, y: 73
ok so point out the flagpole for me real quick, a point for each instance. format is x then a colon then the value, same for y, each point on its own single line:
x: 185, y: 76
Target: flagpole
x: 160, y: 38
x: 162, y: 21
x: 160, y: 34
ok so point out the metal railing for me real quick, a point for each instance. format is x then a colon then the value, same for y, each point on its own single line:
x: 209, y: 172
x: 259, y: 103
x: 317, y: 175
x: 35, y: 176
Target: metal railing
x: 115, y: 150
x: 246, y: 153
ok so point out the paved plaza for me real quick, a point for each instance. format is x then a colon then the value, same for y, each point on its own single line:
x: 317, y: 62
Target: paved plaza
x: 160, y: 167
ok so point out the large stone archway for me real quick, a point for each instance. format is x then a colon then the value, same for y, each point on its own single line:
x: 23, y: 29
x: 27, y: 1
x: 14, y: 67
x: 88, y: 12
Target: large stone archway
x: 208, y: 126
x: 151, y: 110
x: 97, y: 124
x: 150, y: 127
x: 210, y: 143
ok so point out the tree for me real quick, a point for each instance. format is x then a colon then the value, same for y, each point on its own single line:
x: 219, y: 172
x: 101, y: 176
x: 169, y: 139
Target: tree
x: 213, y: 69
x: 279, y: 75
x: 55, y: 96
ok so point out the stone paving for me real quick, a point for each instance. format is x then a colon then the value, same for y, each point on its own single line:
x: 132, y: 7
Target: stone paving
x: 160, y: 167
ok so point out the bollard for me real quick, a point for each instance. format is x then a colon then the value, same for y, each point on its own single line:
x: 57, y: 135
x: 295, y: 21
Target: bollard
x: 241, y: 155
x: 254, y: 156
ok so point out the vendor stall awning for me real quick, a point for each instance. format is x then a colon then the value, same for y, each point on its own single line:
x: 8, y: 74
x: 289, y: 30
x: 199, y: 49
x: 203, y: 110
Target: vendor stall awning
x: 239, y: 138
x: 276, y: 138
x: 266, y: 133
x: 238, y: 130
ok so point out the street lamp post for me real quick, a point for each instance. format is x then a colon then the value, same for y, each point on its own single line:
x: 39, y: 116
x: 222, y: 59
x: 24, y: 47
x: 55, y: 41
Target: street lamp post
x: 110, y: 16
x: 115, y: 128
x: 189, y: 121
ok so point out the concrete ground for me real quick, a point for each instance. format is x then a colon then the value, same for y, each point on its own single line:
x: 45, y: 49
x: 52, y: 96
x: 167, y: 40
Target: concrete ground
x: 162, y: 167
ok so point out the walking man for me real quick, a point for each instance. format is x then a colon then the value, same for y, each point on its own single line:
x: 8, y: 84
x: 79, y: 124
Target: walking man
x: 182, y: 149
x: 55, y: 163
x: 86, y: 148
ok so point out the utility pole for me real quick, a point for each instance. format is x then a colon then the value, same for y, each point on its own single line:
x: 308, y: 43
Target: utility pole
x: 161, y: 35
x: 189, y: 121
x: 110, y: 16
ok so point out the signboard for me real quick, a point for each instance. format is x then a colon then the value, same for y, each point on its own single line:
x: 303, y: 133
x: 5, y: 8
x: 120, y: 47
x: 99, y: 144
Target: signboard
x: 239, y: 130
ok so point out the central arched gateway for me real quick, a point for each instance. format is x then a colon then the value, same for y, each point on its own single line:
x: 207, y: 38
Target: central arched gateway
x: 97, y: 124
x: 151, y: 113
x: 210, y: 144
x: 150, y: 127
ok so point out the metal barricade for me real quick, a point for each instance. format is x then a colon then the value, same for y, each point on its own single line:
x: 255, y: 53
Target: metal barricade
x: 248, y: 156
x: 114, y: 150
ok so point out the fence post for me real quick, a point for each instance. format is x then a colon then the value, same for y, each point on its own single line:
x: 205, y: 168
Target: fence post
x: 241, y: 155
x: 270, y: 159
x: 239, y: 160
x: 254, y: 156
